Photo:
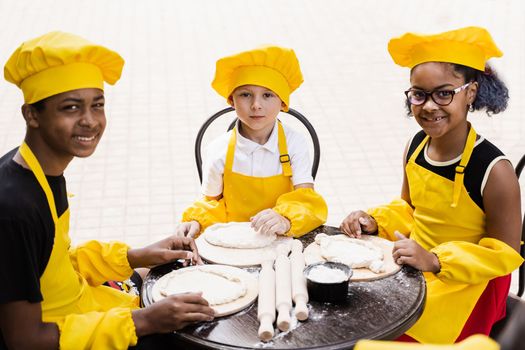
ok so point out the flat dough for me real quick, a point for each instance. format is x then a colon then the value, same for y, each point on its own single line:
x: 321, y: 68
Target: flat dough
x: 217, y: 286
x: 353, y: 252
x: 237, y: 235
x: 312, y: 254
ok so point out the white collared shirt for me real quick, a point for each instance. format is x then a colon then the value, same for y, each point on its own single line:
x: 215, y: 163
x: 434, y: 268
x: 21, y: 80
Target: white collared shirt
x: 253, y: 159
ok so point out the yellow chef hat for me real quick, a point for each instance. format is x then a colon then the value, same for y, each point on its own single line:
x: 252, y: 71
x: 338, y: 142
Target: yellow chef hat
x: 470, y: 46
x: 276, y: 68
x: 57, y: 62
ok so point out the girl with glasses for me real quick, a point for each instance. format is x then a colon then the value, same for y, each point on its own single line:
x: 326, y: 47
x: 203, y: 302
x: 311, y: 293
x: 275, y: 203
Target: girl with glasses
x: 458, y: 219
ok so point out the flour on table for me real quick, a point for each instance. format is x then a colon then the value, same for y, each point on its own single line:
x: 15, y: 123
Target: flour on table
x: 217, y: 287
x: 353, y: 252
x: 237, y: 235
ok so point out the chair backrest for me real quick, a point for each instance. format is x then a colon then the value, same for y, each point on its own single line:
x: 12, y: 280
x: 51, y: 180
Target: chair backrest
x: 291, y: 111
x: 521, y: 271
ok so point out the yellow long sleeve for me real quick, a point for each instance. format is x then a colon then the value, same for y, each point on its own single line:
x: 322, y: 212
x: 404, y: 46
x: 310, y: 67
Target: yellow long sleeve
x: 475, y: 342
x: 113, y: 330
x: 395, y: 216
x: 99, y: 262
x: 305, y: 209
x: 469, y: 263
x: 206, y: 212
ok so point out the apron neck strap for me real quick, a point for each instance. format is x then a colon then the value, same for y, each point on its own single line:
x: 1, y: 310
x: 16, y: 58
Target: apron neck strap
x: 460, y: 169
x: 35, y: 167
x: 284, y: 157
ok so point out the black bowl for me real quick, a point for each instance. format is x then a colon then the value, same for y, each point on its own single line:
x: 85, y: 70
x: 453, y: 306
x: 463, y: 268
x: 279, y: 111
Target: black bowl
x: 327, y: 291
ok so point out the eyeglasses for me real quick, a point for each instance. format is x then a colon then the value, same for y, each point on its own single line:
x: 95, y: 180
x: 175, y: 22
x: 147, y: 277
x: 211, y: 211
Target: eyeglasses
x: 440, y: 97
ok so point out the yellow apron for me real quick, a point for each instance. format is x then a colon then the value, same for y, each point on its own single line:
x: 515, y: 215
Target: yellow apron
x: 245, y: 196
x: 66, y: 293
x: 437, y: 221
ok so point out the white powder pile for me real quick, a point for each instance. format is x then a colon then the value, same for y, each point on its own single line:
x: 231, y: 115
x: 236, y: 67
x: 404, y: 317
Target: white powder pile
x: 323, y: 274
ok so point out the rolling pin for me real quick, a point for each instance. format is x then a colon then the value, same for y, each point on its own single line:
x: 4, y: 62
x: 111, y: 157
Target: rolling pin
x: 283, y: 289
x: 266, y: 303
x: 299, y: 291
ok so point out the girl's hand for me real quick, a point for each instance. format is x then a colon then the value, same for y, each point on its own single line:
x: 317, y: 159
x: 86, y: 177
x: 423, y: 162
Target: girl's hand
x: 407, y: 251
x: 358, y: 222
x: 188, y: 229
x: 163, y: 252
x: 268, y: 221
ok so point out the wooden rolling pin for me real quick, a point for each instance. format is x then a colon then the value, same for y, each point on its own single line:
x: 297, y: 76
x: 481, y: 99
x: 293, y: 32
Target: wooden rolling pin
x: 299, y: 291
x: 266, y: 303
x: 283, y: 289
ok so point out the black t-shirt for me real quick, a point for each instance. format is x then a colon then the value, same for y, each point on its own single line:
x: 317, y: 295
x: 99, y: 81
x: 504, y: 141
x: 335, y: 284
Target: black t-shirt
x: 27, y: 230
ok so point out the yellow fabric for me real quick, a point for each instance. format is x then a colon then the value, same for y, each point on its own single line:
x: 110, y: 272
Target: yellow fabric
x: 98, y: 330
x: 86, y: 315
x: 491, y: 257
x: 469, y: 46
x: 474, y: 342
x: 206, y: 212
x: 305, y: 209
x: 276, y: 68
x: 457, y: 235
x: 395, y: 216
x: 460, y: 169
x: 57, y: 62
x: 244, y: 196
x: 99, y: 262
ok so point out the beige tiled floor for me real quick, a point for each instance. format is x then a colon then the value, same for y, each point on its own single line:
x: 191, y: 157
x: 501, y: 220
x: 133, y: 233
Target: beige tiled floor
x: 143, y: 175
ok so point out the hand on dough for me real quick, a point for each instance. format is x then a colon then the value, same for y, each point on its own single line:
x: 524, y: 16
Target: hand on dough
x: 164, y: 251
x: 188, y: 229
x: 358, y: 222
x: 268, y: 221
x: 407, y: 251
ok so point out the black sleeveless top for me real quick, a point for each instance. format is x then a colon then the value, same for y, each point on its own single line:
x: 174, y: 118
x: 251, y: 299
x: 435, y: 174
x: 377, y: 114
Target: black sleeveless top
x: 482, y: 156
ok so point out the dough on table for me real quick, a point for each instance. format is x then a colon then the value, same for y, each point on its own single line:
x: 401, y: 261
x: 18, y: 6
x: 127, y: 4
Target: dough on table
x: 353, y: 252
x: 217, y: 286
x: 237, y: 235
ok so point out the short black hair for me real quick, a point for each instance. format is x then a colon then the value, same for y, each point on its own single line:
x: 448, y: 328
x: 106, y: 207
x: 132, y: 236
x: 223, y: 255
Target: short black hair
x: 40, y: 106
x: 493, y: 94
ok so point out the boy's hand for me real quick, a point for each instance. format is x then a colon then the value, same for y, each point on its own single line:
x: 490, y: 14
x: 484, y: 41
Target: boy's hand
x: 172, y: 313
x: 188, y: 229
x: 407, y: 251
x: 357, y: 223
x: 165, y: 251
x: 268, y: 221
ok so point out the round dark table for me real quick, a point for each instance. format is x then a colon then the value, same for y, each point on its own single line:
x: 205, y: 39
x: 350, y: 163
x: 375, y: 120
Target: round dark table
x: 380, y: 309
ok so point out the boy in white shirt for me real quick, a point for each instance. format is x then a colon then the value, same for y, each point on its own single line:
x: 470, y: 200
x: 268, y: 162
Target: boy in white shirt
x: 260, y: 171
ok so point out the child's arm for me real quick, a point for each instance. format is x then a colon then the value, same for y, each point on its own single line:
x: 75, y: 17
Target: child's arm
x: 98, y: 262
x: 22, y: 327
x: 206, y: 212
x: 304, y: 208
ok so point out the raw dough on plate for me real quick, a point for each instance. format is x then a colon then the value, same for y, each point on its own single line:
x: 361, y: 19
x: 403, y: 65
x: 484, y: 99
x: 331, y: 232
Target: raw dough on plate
x: 217, y: 286
x: 353, y: 252
x: 237, y: 235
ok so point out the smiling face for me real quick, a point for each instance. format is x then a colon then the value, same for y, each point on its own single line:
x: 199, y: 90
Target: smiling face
x: 257, y: 108
x: 69, y: 125
x: 439, y: 121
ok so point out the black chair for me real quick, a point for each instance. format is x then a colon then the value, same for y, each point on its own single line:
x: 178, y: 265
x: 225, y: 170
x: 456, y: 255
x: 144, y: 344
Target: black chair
x: 291, y: 111
x: 514, y: 301
x: 521, y: 271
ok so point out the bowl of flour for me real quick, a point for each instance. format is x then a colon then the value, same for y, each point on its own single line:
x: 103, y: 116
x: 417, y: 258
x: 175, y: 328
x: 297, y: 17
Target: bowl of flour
x: 327, y: 281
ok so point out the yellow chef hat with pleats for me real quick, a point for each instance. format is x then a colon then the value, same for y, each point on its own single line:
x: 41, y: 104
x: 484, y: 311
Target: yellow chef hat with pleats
x: 276, y: 68
x: 470, y: 46
x: 57, y: 62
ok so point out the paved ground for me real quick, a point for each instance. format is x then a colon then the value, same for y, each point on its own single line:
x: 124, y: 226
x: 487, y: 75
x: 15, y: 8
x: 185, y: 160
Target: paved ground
x: 142, y: 176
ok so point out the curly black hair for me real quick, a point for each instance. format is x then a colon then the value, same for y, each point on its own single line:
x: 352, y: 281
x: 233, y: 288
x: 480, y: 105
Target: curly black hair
x: 493, y: 94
